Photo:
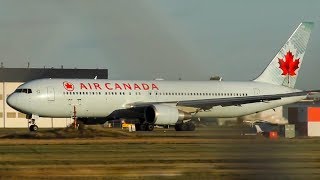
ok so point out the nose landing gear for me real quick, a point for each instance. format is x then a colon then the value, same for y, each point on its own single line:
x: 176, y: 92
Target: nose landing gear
x: 33, y: 127
x: 32, y: 122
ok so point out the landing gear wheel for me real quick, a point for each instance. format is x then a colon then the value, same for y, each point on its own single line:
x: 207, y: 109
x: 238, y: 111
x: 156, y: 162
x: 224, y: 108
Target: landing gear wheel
x: 33, y: 127
x: 32, y: 122
x: 184, y: 127
x: 190, y: 126
x: 149, y: 127
x: 142, y: 127
x: 177, y: 127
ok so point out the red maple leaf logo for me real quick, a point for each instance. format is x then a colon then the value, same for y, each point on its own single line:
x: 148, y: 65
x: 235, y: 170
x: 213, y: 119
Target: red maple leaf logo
x: 289, y: 66
x: 68, y: 86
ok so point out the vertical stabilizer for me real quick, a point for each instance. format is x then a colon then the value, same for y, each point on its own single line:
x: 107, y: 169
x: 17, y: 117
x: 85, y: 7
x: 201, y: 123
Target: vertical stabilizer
x: 285, y: 66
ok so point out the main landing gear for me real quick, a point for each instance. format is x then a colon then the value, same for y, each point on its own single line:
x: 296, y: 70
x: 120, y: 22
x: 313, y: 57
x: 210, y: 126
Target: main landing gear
x: 144, y: 127
x: 187, y: 126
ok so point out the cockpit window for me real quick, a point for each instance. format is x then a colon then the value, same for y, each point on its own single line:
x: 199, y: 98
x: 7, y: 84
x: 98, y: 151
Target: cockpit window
x: 28, y: 91
x: 18, y: 91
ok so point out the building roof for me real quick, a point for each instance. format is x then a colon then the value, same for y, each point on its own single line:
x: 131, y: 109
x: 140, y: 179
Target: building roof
x: 27, y: 74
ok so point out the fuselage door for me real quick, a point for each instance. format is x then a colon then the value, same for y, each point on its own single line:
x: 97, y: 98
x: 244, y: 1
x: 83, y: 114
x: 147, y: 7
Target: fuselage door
x: 50, y: 94
x: 256, y: 91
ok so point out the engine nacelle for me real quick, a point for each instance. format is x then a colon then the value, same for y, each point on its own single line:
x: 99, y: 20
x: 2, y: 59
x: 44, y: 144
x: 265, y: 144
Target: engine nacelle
x: 163, y: 115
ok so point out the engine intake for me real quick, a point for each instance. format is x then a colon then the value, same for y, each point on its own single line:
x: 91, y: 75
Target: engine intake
x: 164, y: 115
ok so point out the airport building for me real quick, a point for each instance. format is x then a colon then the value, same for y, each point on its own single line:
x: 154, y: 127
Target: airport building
x: 305, y: 115
x: 11, y: 78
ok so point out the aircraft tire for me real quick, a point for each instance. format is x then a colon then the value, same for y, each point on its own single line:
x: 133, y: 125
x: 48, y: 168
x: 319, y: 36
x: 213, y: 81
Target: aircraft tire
x: 149, y: 127
x: 177, y: 127
x: 184, y: 127
x: 33, y: 128
x: 191, y: 126
x: 142, y: 127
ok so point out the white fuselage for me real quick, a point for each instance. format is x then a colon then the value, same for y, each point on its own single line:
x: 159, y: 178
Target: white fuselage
x: 99, y: 98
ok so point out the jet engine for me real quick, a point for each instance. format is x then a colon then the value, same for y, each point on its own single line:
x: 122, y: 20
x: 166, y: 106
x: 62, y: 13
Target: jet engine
x: 163, y: 114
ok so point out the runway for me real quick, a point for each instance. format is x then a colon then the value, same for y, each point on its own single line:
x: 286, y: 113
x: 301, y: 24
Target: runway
x: 219, y: 152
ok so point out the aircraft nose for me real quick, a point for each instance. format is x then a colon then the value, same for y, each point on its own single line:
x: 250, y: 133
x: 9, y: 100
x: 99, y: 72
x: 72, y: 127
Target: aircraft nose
x: 11, y: 101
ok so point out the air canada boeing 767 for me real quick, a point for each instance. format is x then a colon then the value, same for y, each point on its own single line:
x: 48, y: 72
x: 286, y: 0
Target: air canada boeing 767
x: 161, y: 102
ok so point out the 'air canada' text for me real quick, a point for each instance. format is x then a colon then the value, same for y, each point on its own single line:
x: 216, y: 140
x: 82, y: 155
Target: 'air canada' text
x: 118, y: 86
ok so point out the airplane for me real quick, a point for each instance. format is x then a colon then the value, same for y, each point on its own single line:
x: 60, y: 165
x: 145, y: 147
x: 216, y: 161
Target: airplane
x: 161, y: 102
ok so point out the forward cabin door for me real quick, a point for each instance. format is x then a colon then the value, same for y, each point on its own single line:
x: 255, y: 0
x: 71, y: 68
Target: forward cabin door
x: 50, y: 94
x: 256, y: 91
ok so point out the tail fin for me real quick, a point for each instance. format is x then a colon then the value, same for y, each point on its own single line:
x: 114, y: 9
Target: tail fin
x: 284, y: 68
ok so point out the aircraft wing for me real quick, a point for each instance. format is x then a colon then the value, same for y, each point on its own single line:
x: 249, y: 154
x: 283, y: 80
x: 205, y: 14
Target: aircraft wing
x: 236, y: 101
x: 206, y: 104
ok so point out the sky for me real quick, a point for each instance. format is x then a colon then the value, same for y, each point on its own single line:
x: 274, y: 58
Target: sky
x: 147, y: 39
